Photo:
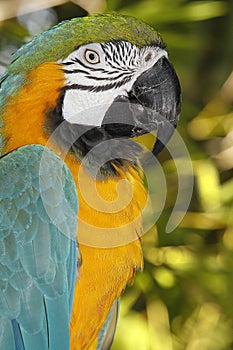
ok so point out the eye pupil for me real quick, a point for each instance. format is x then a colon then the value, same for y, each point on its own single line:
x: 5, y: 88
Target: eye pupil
x: 91, y: 56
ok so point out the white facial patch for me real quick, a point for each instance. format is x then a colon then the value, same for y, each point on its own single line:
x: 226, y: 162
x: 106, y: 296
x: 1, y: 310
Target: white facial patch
x: 97, y: 73
x: 81, y: 108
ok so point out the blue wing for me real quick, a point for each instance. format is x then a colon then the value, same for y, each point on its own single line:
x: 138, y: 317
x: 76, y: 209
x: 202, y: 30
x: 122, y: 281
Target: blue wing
x: 38, y: 215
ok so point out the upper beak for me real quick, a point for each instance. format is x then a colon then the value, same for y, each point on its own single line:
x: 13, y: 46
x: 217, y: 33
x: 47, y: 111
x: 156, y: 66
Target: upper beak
x: 153, y: 104
x: 158, y: 91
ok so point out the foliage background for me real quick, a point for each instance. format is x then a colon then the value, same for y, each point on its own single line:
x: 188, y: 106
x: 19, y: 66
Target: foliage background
x: 183, y: 299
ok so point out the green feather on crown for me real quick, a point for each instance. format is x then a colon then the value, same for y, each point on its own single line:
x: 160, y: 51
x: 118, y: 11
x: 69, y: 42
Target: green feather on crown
x: 61, y: 40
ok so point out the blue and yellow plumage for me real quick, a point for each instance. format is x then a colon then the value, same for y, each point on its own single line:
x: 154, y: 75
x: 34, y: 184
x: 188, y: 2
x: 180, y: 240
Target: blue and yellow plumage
x: 50, y: 298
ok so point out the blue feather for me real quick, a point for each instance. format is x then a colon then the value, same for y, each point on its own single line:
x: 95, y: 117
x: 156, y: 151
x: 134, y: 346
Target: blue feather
x: 38, y: 246
x: 7, y: 340
x: 36, y: 341
x: 17, y: 335
x: 106, y: 334
x: 58, y: 319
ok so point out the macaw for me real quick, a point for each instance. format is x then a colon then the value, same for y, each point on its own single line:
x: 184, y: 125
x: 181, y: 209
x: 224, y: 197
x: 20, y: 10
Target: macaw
x: 75, y: 104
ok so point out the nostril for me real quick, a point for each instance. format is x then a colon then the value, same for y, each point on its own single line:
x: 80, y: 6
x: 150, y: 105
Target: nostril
x: 148, y: 56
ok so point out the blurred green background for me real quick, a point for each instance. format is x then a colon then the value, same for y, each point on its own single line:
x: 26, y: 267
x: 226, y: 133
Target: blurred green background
x: 184, y: 297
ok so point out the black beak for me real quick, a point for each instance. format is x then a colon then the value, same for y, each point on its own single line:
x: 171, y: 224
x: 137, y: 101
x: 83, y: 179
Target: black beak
x: 153, y: 104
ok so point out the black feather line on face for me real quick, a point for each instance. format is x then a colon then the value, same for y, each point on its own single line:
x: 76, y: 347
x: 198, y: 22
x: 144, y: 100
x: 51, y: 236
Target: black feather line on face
x: 74, y: 71
x: 99, y: 88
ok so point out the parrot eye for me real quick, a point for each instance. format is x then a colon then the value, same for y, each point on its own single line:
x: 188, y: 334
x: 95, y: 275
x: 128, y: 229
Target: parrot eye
x: 91, y: 56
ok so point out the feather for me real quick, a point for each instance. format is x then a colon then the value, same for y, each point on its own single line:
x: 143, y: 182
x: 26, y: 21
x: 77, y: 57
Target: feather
x: 38, y: 261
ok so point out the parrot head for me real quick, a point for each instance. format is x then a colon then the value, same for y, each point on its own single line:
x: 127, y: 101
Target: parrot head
x: 117, y: 82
